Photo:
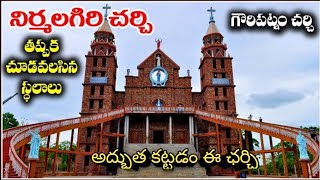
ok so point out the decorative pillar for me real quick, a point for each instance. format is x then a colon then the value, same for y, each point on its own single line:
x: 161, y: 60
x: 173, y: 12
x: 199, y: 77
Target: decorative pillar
x: 304, y: 167
x: 118, y: 132
x: 274, y: 169
x: 284, y: 158
x: 54, y: 166
x: 77, y: 153
x: 265, y: 173
x: 70, y: 155
x: 170, y: 129
x: 47, y: 154
x: 32, y: 167
x: 296, y: 160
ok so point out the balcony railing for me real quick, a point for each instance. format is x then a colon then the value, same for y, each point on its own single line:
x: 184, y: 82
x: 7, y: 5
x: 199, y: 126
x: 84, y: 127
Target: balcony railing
x: 164, y: 109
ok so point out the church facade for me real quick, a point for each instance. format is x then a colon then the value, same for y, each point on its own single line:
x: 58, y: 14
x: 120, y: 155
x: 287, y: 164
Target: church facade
x: 159, y: 87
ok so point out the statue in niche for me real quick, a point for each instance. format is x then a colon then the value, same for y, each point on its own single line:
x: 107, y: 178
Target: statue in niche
x: 158, y: 59
x: 302, y: 145
x: 34, y: 144
x: 158, y: 75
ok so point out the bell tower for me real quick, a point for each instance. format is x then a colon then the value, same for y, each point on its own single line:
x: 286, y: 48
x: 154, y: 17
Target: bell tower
x: 98, y: 95
x: 216, y: 73
x: 217, y: 90
x: 100, y: 74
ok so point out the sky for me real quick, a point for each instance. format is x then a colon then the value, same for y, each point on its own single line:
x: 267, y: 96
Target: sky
x: 276, y: 74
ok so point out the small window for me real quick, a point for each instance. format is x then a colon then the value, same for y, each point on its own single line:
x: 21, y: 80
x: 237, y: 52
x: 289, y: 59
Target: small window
x: 225, y: 105
x: 87, y: 148
x: 94, y: 74
x: 101, y: 90
x: 217, y: 50
x: 89, y: 131
x: 101, y: 47
x: 214, y: 63
x: 91, y: 103
x: 216, y: 38
x: 215, y: 75
x: 223, y: 75
x: 209, y: 40
x: 222, y: 63
x: 92, y: 90
x: 86, y: 160
x: 216, y: 91
x: 100, y: 103
x: 224, y: 91
x: 228, y: 134
x: 103, y: 74
x: 95, y: 61
x: 217, y: 105
x: 104, y: 62
x: 102, y: 37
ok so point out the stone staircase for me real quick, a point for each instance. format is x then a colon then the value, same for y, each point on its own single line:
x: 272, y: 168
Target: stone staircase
x: 156, y: 172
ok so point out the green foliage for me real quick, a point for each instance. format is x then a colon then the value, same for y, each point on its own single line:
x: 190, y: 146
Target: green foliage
x: 64, y: 145
x: 9, y: 121
x: 279, y: 161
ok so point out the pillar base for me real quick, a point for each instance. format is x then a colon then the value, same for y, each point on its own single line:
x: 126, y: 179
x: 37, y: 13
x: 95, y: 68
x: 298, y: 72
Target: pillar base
x: 32, y: 167
x: 304, y: 167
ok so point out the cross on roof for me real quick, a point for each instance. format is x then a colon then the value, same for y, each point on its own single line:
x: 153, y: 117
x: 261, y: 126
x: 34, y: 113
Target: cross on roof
x: 211, y: 11
x: 106, y: 8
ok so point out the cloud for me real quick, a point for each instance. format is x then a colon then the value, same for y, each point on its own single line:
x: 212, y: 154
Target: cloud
x: 274, y: 99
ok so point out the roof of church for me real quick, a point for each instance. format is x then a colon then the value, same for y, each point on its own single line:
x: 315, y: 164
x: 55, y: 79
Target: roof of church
x: 212, y: 28
x: 175, y: 65
x: 105, y: 26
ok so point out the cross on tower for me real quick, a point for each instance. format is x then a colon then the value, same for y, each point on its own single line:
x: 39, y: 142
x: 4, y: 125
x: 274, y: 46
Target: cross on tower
x: 211, y: 11
x: 106, y: 8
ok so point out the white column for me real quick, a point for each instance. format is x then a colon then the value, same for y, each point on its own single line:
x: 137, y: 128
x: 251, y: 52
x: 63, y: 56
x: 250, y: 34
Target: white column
x: 170, y: 129
x: 196, y: 138
x: 118, y: 131
x: 126, y: 129
x: 191, y: 129
x: 147, y: 130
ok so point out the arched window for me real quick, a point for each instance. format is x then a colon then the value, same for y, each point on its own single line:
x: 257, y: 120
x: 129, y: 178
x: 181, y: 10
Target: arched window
x: 179, y: 108
x: 136, y: 104
x: 158, y: 103
x: 137, y: 107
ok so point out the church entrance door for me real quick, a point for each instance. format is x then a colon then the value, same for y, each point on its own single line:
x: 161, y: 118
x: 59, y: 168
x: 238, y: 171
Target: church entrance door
x: 158, y: 136
x: 180, y: 137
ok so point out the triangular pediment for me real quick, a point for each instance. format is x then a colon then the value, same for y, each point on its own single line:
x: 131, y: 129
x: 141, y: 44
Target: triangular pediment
x: 151, y: 62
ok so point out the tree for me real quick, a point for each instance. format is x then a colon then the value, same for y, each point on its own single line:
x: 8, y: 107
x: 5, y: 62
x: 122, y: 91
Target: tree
x: 9, y: 121
x: 64, y: 145
x: 252, y: 141
x: 279, y: 161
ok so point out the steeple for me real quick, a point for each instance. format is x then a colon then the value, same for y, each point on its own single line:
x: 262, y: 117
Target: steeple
x: 105, y: 25
x: 212, y: 26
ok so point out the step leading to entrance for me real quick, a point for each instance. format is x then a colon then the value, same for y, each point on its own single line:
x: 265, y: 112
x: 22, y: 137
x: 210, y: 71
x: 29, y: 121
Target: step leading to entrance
x: 156, y: 172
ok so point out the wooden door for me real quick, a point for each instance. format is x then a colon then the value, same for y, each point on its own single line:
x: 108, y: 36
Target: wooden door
x: 135, y: 137
x: 180, y: 137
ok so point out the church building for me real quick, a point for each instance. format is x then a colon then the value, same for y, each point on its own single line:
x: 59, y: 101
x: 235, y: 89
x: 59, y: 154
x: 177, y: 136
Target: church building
x: 158, y: 102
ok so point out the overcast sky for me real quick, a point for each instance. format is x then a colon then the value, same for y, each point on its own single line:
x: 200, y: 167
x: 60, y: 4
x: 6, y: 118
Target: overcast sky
x: 276, y: 75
